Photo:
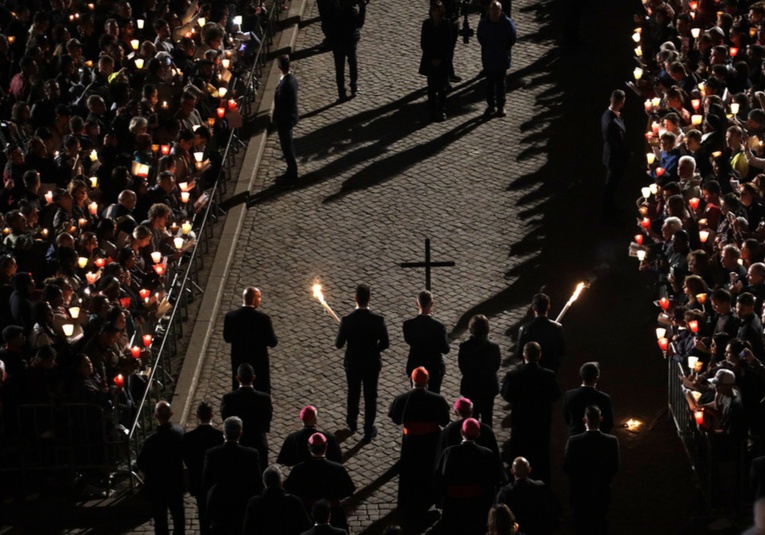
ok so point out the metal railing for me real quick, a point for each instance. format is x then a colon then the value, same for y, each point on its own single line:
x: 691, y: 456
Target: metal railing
x: 185, y: 283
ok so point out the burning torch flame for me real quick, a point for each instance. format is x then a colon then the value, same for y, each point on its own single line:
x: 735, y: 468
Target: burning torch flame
x: 574, y: 297
x: 317, y: 293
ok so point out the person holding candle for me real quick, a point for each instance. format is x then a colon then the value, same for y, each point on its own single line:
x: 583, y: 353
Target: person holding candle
x: 544, y: 331
x: 366, y: 336
x: 161, y: 461
x: 286, y: 115
x: 250, y: 332
x: 615, y: 152
x: 591, y: 461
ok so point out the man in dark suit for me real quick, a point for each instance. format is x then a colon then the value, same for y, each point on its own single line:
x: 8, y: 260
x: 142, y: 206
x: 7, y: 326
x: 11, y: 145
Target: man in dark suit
x: 254, y: 408
x: 344, y: 35
x: 231, y: 476
x: 366, y: 336
x: 591, y: 461
x: 531, y: 391
x: 319, y: 478
x: 468, y: 476
x: 322, y: 513
x: 250, y: 333
x: 422, y: 414
x: 195, y: 446
x: 578, y: 399
x: 531, y: 501
x: 427, y: 342
x: 615, y: 153
x: 544, y: 331
x: 161, y: 462
x: 275, y: 511
x: 452, y: 433
x: 286, y: 115
x: 295, y: 448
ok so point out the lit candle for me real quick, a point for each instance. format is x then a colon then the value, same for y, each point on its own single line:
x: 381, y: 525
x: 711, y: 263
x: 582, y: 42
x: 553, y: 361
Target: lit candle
x: 185, y: 196
x: 155, y: 148
x: 165, y: 150
x: 44, y: 233
x: 201, y: 21
x: 752, y: 32
x: 696, y: 120
x: 646, y: 223
x: 11, y: 39
x: 221, y: 112
x: 94, y: 182
x: 6, y: 231
x: 93, y: 208
x: 119, y: 381
x: 91, y: 278
x: 699, y: 417
x: 693, y: 5
x: 702, y: 223
x: 703, y: 236
x: 222, y: 92
x: 645, y: 191
x: 643, y: 210
x: 655, y: 127
x: 144, y: 293
x: 637, y: 73
x: 198, y: 156
x: 695, y: 32
x: 733, y: 51
x: 178, y: 242
x: 648, y: 106
x: 82, y: 262
x: 696, y: 103
x: 701, y: 298
x: 136, y: 352
x: 641, y: 255
x: 734, y: 107
x: 125, y: 302
x: 134, y: 44
x: 238, y: 20
x: 226, y: 63
x: 164, y: 105
x: 660, y: 172
x: 702, y: 88
x: 100, y: 262
x: 636, y: 37
x: 68, y: 329
x: 663, y: 344
x: 716, y: 154
x: 694, y: 202
x: 147, y: 338
x: 156, y: 257
x: 139, y: 23
x: 693, y: 325
x: 139, y: 63
x: 210, y: 122
x: 664, y: 303
x: 49, y: 197
x: 639, y: 51
x: 650, y: 157
x: 186, y: 227
x: 93, y: 155
x: 159, y: 269
x: 74, y: 312
x: 174, y: 228
x: 660, y: 332
x: 82, y: 222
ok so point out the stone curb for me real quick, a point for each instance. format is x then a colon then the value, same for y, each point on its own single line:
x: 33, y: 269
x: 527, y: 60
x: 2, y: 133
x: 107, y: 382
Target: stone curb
x: 194, y: 359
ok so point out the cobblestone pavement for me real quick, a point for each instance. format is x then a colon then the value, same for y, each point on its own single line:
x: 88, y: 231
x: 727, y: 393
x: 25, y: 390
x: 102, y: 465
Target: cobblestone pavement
x: 377, y: 179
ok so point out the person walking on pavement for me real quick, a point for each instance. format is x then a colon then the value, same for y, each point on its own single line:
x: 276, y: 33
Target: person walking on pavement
x: 275, y: 511
x: 255, y: 410
x: 578, y: 399
x: 496, y: 34
x: 532, y: 502
x: 195, y: 445
x: 479, y: 359
x: 452, y: 433
x: 345, y: 33
x: 295, y: 448
x: 366, y: 337
x: 286, y: 115
x: 161, y: 461
x: 615, y: 151
x: 436, y: 44
x: 423, y: 414
x: 544, y: 331
x: 591, y: 461
x: 250, y: 333
x: 427, y: 341
x: 531, y: 391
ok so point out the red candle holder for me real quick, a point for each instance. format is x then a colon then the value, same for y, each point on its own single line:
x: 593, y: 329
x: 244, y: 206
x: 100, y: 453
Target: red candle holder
x: 664, y: 303
x: 660, y: 172
x: 147, y: 338
x: 231, y: 104
x: 639, y: 239
x: 100, y: 262
x: 119, y: 380
x: 699, y: 417
x: 165, y: 150
x: 646, y: 223
x: 694, y: 202
x: 144, y: 293
x: 693, y: 5
x: 125, y: 302
x: 160, y: 269
x: 663, y: 344
x: 221, y: 112
x: 733, y: 51
x: 136, y: 352
x: 693, y: 325
x: 696, y: 103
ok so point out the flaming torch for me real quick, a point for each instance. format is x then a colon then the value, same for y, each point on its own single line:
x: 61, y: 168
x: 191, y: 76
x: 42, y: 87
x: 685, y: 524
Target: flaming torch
x: 317, y: 293
x: 574, y: 297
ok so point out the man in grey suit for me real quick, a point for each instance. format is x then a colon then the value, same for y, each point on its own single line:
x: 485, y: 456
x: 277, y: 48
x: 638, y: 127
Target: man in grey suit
x: 366, y: 337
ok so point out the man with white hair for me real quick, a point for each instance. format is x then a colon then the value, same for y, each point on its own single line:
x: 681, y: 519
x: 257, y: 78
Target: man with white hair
x: 688, y: 179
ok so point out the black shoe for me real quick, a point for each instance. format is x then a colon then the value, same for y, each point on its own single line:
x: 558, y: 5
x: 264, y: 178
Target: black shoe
x: 455, y: 78
x: 352, y: 428
x: 342, y: 98
x: 369, y: 435
x: 440, y: 117
x: 354, y: 92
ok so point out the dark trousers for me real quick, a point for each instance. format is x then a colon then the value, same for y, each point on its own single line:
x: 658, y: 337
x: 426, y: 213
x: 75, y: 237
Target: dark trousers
x: 369, y: 381
x: 590, y: 518
x: 437, y: 93
x: 160, y: 503
x: 204, y: 523
x: 496, y: 87
x: 483, y: 409
x: 613, y: 179
x: 288, y: 148
x: 341, y: 52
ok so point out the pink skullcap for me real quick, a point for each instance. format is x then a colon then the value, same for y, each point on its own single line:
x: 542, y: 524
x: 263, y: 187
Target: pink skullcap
x: 309, y: 411
x: 317, y: 440
x: 420, y: 376
x: 462, y: 404
x: 471, y: 428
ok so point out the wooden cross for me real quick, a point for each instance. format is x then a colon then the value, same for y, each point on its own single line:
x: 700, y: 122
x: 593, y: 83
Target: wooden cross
x: 428, y: 264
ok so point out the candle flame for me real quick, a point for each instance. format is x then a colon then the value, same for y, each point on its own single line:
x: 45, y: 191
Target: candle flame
x: 579, y: 288
x: 632, y: 425
x: 317, y: 293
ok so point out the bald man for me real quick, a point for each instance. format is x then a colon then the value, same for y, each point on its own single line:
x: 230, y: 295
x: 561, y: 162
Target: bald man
x: 250, y: 333
x: 534, y: 506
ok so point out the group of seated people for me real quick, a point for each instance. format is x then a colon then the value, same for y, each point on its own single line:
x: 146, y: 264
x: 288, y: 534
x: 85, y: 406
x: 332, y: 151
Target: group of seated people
x: 113, y: 117
x: 702, y: 216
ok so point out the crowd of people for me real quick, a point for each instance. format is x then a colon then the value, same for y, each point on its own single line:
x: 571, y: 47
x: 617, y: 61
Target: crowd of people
x: 114, y: 116
x: 701, y: 237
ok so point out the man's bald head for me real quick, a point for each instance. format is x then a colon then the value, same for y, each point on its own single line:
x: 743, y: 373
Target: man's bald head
x: 521, y: 468
x: 127, y: 198
x: 163, y: 412
x: 251, y: 297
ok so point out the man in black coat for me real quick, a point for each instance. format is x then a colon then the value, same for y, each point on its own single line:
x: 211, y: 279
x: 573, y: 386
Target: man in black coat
x: 161, y: 461
x: 344, y: 35
x: 544, y: 331
x: 452, y: 433
x: 535, y: 508
x: 295, y: 448
x: 231, y: 476
x: 615, y: 152
x: 195, y: 446
x: 322, y: 514
x: 578, y: 399
x: 286, y: 115
x: 250, y: 333
x: 436, y: 42
x: 468, y: 475
x: 531, y: 391
x: 275, y: 511
x: 750, y: 327
x: 591, y: 461
x: 423, y: 414
x: 427, y: 342
x: 366, y: 336
x: 319, y: 478
x: 255, y: 410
